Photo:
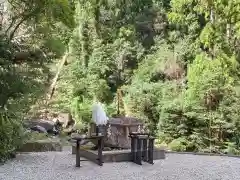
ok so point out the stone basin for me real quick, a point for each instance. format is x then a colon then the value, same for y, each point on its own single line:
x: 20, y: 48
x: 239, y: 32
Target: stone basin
x: 117, y: 131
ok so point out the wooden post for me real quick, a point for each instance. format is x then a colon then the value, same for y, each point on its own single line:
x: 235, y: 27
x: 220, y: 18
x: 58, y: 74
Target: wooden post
x: 150, y: 150
x: 97, y: 130
x: 133, y: 148
x: 145, y: 153
x: 77, y: 154
x: 139, y: 151
x: 100, y: 148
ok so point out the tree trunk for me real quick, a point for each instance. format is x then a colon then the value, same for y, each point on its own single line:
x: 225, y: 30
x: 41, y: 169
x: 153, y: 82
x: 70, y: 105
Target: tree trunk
x: 54, y: 82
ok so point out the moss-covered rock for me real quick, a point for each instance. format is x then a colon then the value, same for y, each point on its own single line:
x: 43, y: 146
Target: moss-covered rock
x: 41, y: 146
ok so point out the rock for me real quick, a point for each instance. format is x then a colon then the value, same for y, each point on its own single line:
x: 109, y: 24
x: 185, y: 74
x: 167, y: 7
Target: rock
x: 82, y: 142
x: 117, y: 131
x: 39, y: 129
x: 57, y: 127
x: 73, y: 135
x: 69, y: 130
x: 89, y: 145
x: 56, y: 131
x: 55, y: 120
x: 41, y: 146
x: 49, y: 126
x: 65, y: 119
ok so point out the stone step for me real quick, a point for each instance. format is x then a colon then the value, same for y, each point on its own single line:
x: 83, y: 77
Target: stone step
x: 115, y: 155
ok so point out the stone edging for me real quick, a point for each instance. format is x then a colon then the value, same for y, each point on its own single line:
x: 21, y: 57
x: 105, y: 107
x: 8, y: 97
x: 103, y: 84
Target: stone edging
x: 202, y: 154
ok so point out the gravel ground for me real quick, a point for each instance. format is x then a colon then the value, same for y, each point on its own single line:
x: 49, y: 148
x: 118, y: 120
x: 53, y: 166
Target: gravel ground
x: 61, y: 166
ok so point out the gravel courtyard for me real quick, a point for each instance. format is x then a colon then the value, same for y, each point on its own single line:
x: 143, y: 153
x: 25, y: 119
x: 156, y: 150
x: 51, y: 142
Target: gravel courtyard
x: 61, y: 166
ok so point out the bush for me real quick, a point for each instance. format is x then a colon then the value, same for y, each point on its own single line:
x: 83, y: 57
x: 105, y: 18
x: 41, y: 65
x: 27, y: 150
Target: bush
x: 206, y: 113
x: 11, y: 135
x: 33, y: 136
x: 231, y: 149
x: 151, y: 90
x: 177, y: 145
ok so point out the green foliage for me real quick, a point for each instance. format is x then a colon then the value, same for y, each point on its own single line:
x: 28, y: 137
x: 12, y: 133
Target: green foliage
x: 232, y: 149
x: 11, y: 133
x: 203, y: 113
x: 176, y: 62
x: 59, y: 10
x: 177, y: 145
x: 104, y: 55
x: 33, y: 136
x: 150, y: 90
x: 34, y: 31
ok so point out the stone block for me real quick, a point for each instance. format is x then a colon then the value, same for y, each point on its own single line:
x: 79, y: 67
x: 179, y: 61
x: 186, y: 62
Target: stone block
x: 41, y: 146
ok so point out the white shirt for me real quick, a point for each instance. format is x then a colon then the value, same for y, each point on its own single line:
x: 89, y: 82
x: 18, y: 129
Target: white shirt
x: 98, y: 114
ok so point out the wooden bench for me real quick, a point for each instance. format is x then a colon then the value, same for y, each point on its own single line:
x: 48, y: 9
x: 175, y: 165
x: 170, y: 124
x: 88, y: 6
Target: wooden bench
x: 142, y: 145
x: 79, y: 138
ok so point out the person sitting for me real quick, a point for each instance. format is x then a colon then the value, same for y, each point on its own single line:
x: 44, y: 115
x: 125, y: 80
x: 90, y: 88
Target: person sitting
x: 99, y: 116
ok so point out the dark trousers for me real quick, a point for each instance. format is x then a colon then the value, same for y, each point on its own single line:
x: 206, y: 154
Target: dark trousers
x: 101, y: 129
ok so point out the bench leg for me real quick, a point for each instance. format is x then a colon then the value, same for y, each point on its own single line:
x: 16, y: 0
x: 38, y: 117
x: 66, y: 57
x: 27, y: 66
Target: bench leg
x: 97, y: 130
x: 77, y: 154
x: 133, y: 149
x: 139, y: 152
x: 100, y: 148
x: 150, y: 151
x: 145, y: 152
